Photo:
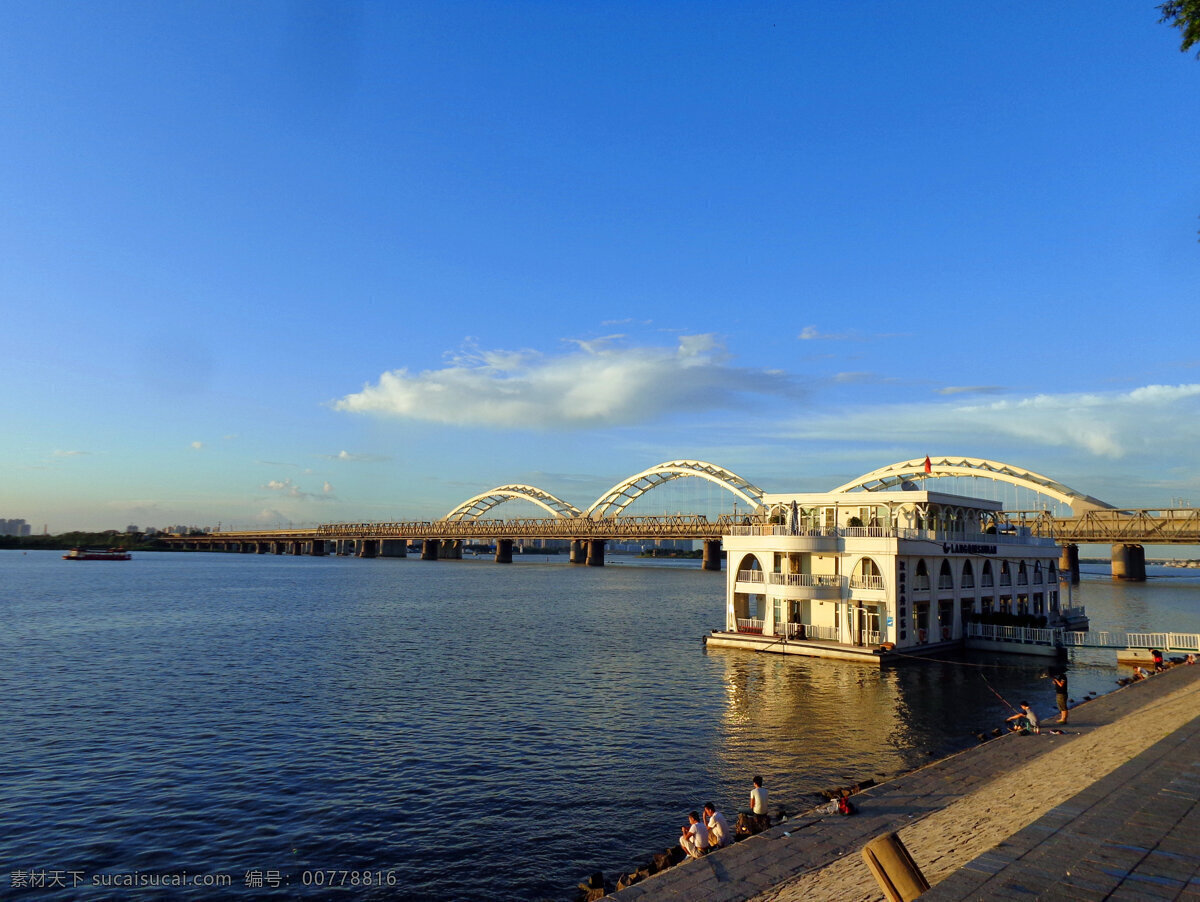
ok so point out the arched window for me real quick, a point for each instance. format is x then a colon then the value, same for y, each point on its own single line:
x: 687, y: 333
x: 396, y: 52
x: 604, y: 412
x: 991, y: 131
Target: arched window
x: 921, y: 577
x: 1022, y: 576
x: 867, y: 575
x: 968, y: 576
x: 750, y: 570
x: 1005, y: 574
x: 986, y: 579
x: 1037, y: 572
x: 945, y: 577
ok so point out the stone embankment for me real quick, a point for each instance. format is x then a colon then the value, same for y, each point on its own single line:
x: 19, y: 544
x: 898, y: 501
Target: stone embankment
x: 1110, y: 802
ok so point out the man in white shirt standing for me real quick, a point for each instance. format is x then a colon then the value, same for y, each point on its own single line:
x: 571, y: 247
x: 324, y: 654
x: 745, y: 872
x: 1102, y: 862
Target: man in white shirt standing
x: 718, y: 827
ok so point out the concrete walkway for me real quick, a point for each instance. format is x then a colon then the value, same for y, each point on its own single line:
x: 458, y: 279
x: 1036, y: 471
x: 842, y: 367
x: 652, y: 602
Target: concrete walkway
x: 1008, y: 818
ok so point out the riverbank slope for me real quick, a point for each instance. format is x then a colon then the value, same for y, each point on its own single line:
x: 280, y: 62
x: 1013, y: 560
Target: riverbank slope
x: 1004, y: 810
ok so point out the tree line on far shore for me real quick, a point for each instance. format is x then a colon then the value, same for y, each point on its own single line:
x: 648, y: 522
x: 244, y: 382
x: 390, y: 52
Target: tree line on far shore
x: 129, y: 541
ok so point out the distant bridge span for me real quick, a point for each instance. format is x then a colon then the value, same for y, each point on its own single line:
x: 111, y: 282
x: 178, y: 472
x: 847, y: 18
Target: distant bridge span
x: 1092, y: 520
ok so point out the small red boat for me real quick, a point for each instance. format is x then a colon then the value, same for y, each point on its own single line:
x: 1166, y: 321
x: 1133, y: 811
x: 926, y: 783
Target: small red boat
x: 94, y: 554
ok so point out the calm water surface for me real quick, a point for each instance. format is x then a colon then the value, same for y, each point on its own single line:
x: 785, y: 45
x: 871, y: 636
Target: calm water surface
x: 474, y: 731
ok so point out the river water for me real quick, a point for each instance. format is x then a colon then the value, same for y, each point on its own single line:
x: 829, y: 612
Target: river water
x: 444, y: 730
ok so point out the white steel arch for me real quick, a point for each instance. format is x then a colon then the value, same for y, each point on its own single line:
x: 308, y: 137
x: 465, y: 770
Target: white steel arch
x: 898, y: 473
x: 624, y: 493
x: 473, y: 508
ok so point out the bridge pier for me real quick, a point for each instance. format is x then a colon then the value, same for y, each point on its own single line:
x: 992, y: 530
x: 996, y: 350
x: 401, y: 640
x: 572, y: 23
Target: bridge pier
x: 595, y: 552
x: 393, y: 548
x: 712, y: 555
x: 1129, y: 563
x: 317, y: 548
x: 451, y: 550
x: 260, y: 547
x: 578, y: 551
x: 429, y: 549
x: 368, y: 548
x: 297, y: 547
x: 1068, y: 563
x: 504, y: 551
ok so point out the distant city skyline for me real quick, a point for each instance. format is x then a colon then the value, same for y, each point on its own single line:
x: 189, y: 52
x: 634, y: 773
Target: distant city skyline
x: 346, y: 261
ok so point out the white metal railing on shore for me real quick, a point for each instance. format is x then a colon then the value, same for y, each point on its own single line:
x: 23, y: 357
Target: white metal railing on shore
x: 1183, y: 642
x: 1189, y: 642
x: 1024, y: 635
x: 872, y: 638
x: 806, y: 579
x: 750, y: 576
x: 749, y: 626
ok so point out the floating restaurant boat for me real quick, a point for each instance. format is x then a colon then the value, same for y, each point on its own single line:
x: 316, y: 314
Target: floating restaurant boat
x: 871, y: 575
x: 97, y: 554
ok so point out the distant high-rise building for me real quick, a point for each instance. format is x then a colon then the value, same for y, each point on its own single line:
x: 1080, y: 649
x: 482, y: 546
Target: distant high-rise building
x: 16, y: 527
x: 131, y: 528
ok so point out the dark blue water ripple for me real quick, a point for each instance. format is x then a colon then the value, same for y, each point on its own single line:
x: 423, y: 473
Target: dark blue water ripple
x: 473, y: 731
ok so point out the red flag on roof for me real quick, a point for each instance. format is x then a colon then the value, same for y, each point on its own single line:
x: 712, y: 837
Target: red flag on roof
x: 928, y: 465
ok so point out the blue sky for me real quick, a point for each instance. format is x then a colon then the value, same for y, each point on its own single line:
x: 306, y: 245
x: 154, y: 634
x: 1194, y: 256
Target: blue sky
x: 310, y: 262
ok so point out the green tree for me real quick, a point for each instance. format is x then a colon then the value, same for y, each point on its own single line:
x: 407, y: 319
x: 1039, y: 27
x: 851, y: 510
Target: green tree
x: 1184, y: 15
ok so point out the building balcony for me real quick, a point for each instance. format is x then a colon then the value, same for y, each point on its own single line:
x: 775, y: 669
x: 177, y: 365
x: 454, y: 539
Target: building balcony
x: 806, y: 585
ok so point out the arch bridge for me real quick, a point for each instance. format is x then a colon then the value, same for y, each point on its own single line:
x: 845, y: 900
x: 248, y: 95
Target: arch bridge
x: 606, y: 519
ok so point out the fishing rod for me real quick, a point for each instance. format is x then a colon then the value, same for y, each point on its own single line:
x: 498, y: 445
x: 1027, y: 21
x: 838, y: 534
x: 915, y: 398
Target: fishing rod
x: 997, y: 694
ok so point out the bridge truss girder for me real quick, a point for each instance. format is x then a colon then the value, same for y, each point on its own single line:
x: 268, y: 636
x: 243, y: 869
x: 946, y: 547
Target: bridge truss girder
x: 1163, y: 526
x: 897, y: 474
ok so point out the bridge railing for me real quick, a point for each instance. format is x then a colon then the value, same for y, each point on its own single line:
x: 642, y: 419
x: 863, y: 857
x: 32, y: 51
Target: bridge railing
x: 1165, y: 641
x: 1186, y: 642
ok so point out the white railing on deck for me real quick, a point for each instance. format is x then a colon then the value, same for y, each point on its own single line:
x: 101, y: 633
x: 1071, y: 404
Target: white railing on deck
x: 872, y: 638
x: 750, y: 576
x: 779, y: 530
x: 866, y: 582
x: 805, y: 579
x: 885, y: 532
x: 749, y: 626
x: 1024, y: 635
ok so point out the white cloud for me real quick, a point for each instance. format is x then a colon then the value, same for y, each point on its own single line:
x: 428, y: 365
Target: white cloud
x: 291, y: 490
x: 599, y: 384
x: 197, y: 445
x: 1103, y: 424
x: 347, y: 457
x: 812, y: 333
x: 970, y: 390
x: 326, y: 488
x: 58, y: 453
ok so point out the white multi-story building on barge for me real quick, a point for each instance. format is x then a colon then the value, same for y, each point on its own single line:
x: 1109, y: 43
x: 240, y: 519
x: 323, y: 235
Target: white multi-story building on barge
x: 864, y: 575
